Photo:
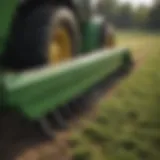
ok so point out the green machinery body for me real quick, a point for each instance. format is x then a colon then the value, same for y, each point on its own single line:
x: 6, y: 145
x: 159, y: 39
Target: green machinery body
x: 90, y: 28
x: 36, y: 92
x: 7, y: 10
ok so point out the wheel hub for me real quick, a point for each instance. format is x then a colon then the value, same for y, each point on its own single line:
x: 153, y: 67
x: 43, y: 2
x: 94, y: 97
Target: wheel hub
x: 60, y: 48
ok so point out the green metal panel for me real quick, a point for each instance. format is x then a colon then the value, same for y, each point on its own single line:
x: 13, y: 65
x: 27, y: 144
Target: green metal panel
x: 7, y: 9
x: 37, y: 92
x: 91, y: 34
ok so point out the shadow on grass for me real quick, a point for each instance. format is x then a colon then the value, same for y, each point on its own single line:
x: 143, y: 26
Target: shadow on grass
x: 17, y: 135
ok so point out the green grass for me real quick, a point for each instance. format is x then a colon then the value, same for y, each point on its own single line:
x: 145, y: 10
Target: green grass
x: 140, y: 43
x: 128, y: 124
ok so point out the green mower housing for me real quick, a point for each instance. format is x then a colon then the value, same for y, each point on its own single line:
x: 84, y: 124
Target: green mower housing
x: 31, y: 87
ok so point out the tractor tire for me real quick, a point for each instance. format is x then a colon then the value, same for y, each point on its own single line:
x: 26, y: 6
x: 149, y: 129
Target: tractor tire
x: 107, y: 36
x: 32, y: 33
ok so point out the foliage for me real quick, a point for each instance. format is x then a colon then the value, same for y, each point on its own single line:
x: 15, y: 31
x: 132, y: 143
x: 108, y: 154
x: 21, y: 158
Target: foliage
x: 126, y: 16
x: 154, y: 18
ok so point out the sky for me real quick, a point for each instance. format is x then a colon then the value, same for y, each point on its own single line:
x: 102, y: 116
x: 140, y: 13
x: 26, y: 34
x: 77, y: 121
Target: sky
x: 138, y: 2
x: 134, y: 2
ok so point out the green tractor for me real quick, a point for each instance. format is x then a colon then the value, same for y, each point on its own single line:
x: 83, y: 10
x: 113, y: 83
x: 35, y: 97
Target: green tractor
x: 51, y: 52
x: 51, y: 31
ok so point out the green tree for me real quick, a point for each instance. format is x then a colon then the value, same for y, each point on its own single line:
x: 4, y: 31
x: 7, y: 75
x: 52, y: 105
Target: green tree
x: 125, y: 16
x: 154, y: 16
x: 141, y: 16
x: 107, y: 7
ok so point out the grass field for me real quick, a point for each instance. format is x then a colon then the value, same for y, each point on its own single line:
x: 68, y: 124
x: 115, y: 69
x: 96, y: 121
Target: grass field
x: 128, y: 124
x: 140, y: 43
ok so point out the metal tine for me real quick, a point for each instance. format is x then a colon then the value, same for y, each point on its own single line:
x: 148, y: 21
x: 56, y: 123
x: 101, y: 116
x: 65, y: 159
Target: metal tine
x: 72, y: 106
x: 47, y: 128
x: 78, y: 105
x: 67, y: 111
x: 75, y: 105
x: 59, y: 119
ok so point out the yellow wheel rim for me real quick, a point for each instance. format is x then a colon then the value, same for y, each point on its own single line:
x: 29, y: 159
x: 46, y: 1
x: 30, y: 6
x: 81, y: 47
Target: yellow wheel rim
x: 110, y: 38
x: 60, y: 47
x: 110, y: 41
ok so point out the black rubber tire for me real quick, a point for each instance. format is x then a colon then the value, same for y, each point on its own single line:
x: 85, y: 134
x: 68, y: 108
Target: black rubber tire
x: 31, y: 33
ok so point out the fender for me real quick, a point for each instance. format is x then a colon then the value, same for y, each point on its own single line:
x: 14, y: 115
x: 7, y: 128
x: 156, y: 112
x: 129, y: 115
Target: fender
x: 80, y: 7
x: 91, y: 32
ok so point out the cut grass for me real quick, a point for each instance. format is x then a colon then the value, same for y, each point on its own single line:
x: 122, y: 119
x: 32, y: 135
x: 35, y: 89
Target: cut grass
x: 128, y: 125
x: 81, y: 153
x: 139, y: 42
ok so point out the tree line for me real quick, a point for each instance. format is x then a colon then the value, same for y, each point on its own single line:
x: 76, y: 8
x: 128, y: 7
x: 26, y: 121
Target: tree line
x: 124, y: 15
